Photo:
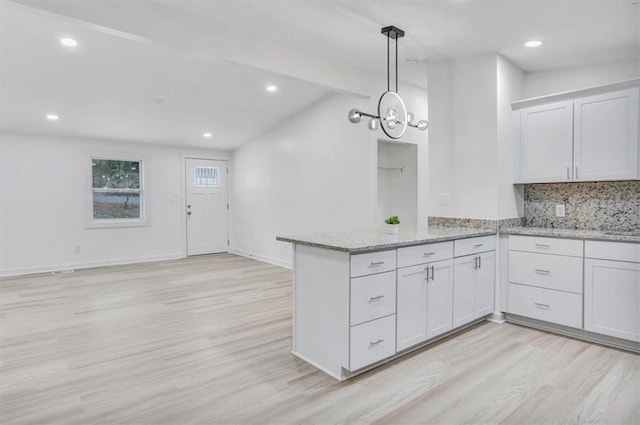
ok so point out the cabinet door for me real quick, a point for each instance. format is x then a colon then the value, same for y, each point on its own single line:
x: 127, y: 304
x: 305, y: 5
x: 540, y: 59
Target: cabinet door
x: 612, y: 298
x: 485, y: 284
x: 606, y: 136
x: 464, y: 289
x: 411, y: 310
x: 546, y: 143
x: 440, y: 298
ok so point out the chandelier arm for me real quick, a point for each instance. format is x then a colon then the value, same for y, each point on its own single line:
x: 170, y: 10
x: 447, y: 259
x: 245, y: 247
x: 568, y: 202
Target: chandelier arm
x: 364, y: 114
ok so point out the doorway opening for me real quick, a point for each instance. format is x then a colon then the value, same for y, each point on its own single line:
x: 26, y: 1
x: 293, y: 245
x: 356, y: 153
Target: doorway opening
x: 398, y: 183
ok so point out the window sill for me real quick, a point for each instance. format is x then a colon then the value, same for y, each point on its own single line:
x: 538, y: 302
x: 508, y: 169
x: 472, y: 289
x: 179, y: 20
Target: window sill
x: 116, y: 224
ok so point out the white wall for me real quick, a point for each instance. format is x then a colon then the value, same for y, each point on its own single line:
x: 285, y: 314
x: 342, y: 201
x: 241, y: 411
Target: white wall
x: 309, y: 174
x: 510, y: 82
x: 541, y: 83
x: 463, y: 149
x: 45, y: 188
x: 315, y: 172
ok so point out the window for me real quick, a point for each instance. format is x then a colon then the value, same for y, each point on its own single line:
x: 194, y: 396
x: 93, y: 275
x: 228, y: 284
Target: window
x: 117, y: 189
x: 207, y: 176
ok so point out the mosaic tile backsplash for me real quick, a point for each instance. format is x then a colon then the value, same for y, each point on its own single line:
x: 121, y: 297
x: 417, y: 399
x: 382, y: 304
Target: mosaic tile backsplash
x: 588, y: 206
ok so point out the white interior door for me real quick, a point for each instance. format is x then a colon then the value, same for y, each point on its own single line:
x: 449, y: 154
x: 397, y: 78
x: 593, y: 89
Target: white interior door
x: 206, y: 208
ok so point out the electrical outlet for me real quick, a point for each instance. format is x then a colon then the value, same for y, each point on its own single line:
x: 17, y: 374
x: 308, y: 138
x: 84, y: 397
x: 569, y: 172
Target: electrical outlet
x: 559, y: 210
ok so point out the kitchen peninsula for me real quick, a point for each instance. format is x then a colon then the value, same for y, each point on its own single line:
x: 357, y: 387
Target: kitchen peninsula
x: 362, y: 298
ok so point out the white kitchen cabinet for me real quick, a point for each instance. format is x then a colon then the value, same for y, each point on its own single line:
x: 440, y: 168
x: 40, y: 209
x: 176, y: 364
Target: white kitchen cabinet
x: 412, y: 306
x: 612, y: 298
x: 606, y: 136
x: 464, y: 289
x: 439, y: 298
x: 586, y: 135
x: 485, y: 278
x: 545, y: 279
x: 473, y: 287
x: 546, y: 143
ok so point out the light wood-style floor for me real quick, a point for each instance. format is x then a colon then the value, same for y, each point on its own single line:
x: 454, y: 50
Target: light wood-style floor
x: 207, y: 339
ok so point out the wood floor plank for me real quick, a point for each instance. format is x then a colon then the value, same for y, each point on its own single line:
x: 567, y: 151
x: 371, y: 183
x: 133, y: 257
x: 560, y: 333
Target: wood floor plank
x: 207, y: 339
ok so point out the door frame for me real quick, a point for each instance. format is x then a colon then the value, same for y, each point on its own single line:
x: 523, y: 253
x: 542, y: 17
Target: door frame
x: 183, y: 195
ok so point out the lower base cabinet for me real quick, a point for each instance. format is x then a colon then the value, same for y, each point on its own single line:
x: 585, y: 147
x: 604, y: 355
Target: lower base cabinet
x: 552, y: 306
x: 473, y: 287
x: 612, y: 298
x: 372, y: 341
x: 440, y: 298
x: 412, y: 306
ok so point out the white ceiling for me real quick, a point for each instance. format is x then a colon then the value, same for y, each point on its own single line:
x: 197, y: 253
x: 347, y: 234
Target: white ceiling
x: 123, y: 88
x: 109, y: 85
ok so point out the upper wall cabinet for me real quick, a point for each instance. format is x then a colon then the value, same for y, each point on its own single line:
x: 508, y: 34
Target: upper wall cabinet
x: 585, y: 138
x: 546, y: 143
x: 605, y: 138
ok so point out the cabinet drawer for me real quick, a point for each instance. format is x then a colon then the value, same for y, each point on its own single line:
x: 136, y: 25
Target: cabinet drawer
x: 558, y: 307
x: 546, y: 271
x: 556, y: 246
x: 470, y: 246
x: 373, y: 262
x: 616, y: 251
x: 372, y: 342
x: 373, y: 297
x: 421, y: 254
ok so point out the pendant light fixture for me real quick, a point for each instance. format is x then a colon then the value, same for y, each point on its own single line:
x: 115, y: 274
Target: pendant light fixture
x: 392, y: 116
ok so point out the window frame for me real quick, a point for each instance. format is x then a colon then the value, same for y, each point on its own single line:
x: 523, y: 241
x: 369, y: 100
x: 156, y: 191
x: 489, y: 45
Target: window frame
x: 101, y: 223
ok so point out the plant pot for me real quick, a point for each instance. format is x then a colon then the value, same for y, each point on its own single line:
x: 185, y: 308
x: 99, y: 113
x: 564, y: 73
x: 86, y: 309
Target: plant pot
x: 391, y: 229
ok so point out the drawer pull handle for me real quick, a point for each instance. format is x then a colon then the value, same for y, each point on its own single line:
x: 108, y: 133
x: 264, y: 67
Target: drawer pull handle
x: 376, y: 298
x: 377, y: 263
x: 428, y: 254
x: 543, y: 245
x: 542, y: 271
x: 542, y: 305
x: 478, y: 245
x: 374, y: 343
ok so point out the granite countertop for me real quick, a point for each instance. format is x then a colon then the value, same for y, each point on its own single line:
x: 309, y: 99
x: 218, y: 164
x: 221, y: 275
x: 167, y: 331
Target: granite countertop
x: 369, y: 240
x: 595, y: 235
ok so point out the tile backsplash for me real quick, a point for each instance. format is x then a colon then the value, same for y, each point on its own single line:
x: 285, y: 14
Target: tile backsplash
x: 592, y: 206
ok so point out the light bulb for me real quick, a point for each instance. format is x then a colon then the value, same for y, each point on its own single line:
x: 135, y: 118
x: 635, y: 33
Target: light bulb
x: 422, y: 125
x: 373, y: 124
x: 392, y: 114
x: 354, y: 116
x: 410, y: 116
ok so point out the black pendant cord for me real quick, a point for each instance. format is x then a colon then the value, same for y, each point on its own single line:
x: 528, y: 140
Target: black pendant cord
x: 396, y: 64
x: 388, y: 71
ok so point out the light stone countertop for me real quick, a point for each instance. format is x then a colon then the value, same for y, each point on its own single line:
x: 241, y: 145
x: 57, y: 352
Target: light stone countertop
x: 595, y: 235
x: 370, y: 240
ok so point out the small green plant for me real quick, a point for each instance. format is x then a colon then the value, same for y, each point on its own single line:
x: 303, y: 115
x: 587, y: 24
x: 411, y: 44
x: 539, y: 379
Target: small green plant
x: 392, y: 220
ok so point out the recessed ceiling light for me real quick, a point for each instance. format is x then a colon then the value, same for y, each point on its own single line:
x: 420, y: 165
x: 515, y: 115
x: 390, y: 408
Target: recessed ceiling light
x: 69, y: 42
x: 207, y: 135
x: 52, y: 117
x: 271, y: 88
x: 533, y: 43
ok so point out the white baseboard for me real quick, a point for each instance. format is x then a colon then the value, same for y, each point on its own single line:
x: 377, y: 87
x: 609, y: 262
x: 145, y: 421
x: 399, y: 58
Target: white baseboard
x: 264, y: 259
x: 87, y: 264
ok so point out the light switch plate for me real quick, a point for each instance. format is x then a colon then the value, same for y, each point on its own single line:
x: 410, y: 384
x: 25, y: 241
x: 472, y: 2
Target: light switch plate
x: 444, y: 199
x: 559, y: 210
